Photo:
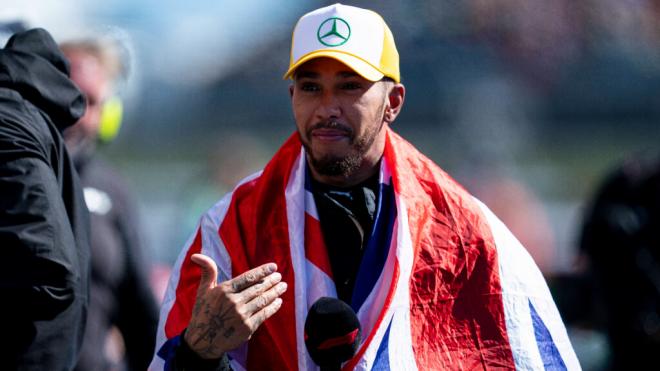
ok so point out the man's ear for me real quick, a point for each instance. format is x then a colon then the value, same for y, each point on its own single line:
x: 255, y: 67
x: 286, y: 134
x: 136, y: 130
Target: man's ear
x: 396, y: 97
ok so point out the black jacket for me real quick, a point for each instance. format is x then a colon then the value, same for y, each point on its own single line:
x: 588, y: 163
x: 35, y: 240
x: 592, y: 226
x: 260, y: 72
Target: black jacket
x: 120, y: 293
x: 44, y: 248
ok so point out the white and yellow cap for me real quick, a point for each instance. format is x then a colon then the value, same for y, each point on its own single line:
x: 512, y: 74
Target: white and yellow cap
x: 359, y: 38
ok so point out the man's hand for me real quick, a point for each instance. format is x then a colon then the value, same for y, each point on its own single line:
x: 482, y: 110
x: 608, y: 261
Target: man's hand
x: 227, y: 314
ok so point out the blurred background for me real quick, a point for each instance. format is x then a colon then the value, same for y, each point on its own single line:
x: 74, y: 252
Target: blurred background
x: 528, y: 103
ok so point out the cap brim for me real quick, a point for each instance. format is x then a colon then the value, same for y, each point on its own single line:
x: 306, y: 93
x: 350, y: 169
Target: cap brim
x: 357, y: 64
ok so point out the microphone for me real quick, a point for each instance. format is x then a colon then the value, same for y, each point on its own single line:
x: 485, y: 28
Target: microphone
x: 332, y: 333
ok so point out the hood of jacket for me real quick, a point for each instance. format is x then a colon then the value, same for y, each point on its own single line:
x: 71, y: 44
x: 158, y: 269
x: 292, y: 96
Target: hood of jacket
x: 32, y: 65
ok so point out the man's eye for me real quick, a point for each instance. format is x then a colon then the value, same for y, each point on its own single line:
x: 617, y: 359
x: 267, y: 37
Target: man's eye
x: 309, y: 87
x: 351, y: 85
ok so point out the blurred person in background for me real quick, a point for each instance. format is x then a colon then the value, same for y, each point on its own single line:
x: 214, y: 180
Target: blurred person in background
x: 44, y: 224
x: 621, y: 243
x: 122, y: 315
x: 348, y: 209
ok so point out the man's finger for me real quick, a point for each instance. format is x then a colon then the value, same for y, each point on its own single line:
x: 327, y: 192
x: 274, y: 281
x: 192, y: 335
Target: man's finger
x: 263, y: 300
x: 251, y: 277
x: 209, y: 276
x: 260, y: 287
x: 265, y: 313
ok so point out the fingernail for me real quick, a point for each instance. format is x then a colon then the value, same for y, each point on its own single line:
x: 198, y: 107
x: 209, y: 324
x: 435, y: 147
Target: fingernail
x: 282, y: 287
x: 277, y: 276
x: 272, y: 267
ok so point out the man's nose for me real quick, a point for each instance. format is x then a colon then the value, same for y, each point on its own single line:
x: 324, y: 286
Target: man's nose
x: 328, y: 106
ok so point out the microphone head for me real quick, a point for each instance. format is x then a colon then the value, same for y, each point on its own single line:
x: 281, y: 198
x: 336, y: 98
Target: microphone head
x: 332, y: 332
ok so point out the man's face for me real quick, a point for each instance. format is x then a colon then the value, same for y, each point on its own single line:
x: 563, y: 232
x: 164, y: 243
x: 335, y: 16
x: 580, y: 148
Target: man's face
x: 90, y: 76
x: 339, y: 116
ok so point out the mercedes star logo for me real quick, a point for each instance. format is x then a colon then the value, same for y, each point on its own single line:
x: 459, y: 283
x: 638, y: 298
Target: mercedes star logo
x: 333, y: 32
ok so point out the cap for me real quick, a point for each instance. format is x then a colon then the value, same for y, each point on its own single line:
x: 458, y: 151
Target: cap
x: 359, y: 38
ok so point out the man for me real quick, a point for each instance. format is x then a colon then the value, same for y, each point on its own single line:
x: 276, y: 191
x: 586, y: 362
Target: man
x: 44, y: 223
x: 347, y: 208
x: 621, y: 243
x: 120, y: 296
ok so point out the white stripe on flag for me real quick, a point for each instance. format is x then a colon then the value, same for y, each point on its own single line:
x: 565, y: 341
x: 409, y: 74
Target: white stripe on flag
x: 310, y: 205
x: 295, y: 211
x: 523, y: 282
x: 402, y: 356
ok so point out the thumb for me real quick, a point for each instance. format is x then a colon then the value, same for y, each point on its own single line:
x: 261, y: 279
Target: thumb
x: 209, y: 277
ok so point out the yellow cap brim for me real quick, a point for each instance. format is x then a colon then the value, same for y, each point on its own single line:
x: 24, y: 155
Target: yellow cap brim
x: 359, y: 65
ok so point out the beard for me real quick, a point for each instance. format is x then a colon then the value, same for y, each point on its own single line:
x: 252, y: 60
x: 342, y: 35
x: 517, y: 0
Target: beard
x: 334, y: 165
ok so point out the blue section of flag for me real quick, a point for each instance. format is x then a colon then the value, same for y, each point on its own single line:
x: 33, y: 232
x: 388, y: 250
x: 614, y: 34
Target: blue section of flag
x: 378, y: 247
x: 168, y: 350
x: 382, y: 361
x: 549, y: 353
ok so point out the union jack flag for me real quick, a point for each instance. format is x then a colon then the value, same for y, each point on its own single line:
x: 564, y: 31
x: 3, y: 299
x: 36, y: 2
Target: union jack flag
x: 443, y: 283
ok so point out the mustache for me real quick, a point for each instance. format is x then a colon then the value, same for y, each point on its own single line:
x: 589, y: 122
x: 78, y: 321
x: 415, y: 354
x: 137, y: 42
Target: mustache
x: 334, y: 125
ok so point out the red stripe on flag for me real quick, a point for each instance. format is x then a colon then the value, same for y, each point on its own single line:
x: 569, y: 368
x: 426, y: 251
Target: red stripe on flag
x: 186, y: 291
x: 255, y: 231
x: 315, y: 250
x: 455, y: 290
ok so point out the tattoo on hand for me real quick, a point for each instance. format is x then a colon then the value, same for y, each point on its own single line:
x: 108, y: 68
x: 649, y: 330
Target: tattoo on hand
x: 229, y: 332
x: 217, y: 324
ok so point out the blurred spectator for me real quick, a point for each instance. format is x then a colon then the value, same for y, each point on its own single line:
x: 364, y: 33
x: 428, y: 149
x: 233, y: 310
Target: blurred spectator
x: 621, y: 243
x: 123, y: 311
x: 44, y: 224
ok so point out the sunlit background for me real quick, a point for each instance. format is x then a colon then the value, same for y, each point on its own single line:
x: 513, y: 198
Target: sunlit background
x: 528, y: 103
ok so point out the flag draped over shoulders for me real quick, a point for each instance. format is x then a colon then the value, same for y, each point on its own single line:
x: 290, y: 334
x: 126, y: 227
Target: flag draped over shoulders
x: 443, y: 284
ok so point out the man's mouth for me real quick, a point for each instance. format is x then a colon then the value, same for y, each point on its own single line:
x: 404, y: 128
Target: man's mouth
x: 330, y: 132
